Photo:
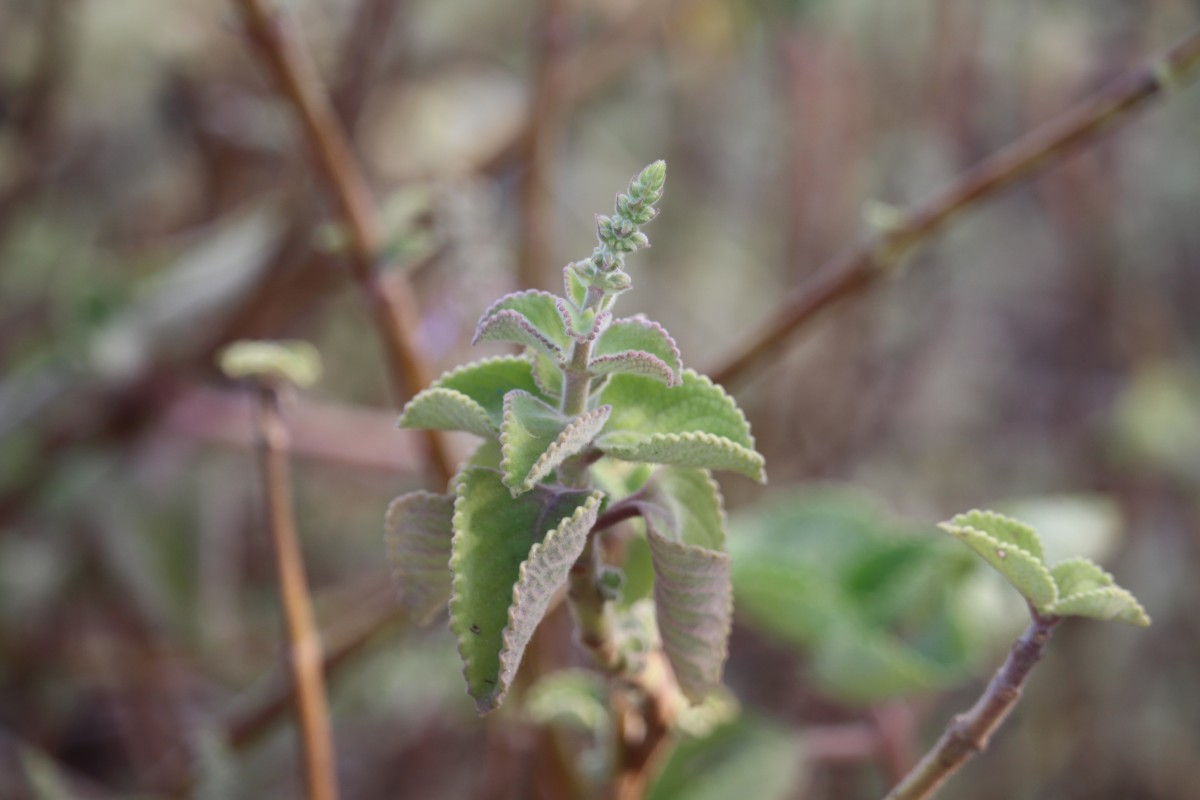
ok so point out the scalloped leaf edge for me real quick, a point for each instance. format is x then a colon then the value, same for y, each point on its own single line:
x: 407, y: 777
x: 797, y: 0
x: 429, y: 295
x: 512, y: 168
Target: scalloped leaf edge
x: 997, y: 554
x: 575, y: 435
x: 737, y: 458
x: 458, y: 412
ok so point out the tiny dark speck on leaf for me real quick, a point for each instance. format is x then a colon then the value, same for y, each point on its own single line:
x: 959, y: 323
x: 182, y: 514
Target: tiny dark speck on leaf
x: 475, y: 629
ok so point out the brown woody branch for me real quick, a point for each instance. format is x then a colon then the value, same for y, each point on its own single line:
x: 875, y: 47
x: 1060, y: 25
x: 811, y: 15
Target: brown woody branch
x: 968, y: 734
x: 863, y: 265
x: 394, y: 311
x: 303, y: 639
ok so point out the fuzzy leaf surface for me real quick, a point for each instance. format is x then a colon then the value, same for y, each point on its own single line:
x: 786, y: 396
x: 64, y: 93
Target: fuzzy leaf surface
x: 509, y: 557
x: 1110, y: 603
x: 1004, y: 529
x: 639, y: 346
x: 546, y: 375
x: 528, y: 318
x: 470, y: 398
x: 535, y: 438
x: 418, y: 530
x: 693, y: 591
x: 582, y: 326
x: 1086, y: 590
x: 999, y: 540
x: 574, y: 289
x: 695, y: 424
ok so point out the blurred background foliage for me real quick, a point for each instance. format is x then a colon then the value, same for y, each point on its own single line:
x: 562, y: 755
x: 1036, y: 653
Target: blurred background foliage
x: 1042, y: 357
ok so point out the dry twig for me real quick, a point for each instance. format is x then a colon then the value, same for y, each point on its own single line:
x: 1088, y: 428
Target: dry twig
x: 863, y: 265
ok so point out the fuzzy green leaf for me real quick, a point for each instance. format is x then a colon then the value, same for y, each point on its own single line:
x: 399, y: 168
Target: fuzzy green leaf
x: 582, y: 325
x: 446, y: 410
x: 693, y: 593
x: 509, y: 558
x: 418, y: 531
x: 1110, y: 603
x: 1079, y: 575
x: 865, y: 666
x: 293, y: 361
x: 748, y: 758
x: 575, y: 699
x: 546, y: 374
x: 695, y: 424
x: 574, y: 288
x: 1086, y: 590
x: 1003, y: 529
x: 470, y: 398
x: 535, y: 438
x: 528, y: 318
x: 1002, y: 542
x: 639, y: 346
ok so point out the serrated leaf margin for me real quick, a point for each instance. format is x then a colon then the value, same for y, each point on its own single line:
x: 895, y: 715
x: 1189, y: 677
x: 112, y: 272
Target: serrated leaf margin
x: 997, y: 553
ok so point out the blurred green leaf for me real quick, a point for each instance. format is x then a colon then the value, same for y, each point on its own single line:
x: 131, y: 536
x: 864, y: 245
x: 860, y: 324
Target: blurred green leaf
x: 750, y: 757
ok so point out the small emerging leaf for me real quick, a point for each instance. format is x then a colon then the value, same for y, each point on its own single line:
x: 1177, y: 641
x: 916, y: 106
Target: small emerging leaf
x: 470, y: 398
x: 583, y: 326
x: 418, y: 531
x: 1110, y: 603
x: 1003, y: 529
x: 528, y: 318
x: 574, y: 289
x: 1079, y: 575
x: 693, y: 592
x: 293, y: 361
x: 999, y: 541
x: 509, y: 558
x: 535, y: 438
x: 1086, y: 590
x: 695, y: 424
x: 639, y: 346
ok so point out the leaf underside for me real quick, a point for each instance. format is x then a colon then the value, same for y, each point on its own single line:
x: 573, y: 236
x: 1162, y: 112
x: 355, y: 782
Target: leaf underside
x: 417, y: 530
x: 536, y: 438
x: 693, y: 594
x: 510, y: 555
x: 695, y: 424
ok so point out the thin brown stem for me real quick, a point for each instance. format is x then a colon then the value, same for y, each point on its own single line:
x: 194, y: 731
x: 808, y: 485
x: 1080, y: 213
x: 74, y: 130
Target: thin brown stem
x: 300, y: 628
x: 547, y: 124
x: 394, y: 310
x: 861, y: 266
x: 968, y: 733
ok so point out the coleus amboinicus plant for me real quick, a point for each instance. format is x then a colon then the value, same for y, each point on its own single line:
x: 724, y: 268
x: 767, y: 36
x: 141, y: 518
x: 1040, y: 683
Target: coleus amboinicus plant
x: 519, y: 520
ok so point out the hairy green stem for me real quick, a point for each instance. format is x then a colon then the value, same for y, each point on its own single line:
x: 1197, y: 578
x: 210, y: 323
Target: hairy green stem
x: 968, y: 733
x: 593, y: 613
